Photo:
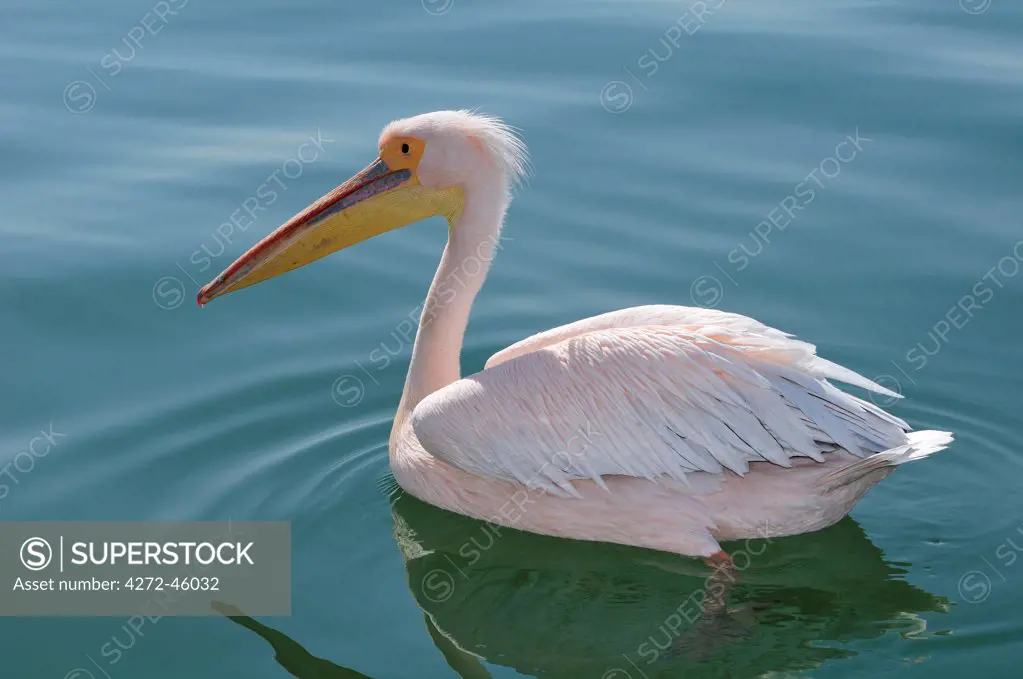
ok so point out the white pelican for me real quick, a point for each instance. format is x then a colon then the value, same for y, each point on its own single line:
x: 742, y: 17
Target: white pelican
x: 664, y: 427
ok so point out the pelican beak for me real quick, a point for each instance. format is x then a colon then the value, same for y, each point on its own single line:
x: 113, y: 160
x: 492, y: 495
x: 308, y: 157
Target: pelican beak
x: 378, y: 199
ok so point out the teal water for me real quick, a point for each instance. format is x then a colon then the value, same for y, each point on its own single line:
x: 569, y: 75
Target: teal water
x: 673, y: 160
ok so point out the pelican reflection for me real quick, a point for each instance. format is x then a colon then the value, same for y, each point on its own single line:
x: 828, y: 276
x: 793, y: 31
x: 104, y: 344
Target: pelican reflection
x: 547, y: 607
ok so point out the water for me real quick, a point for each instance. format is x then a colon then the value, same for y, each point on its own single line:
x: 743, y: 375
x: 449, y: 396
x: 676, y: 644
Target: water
x: 123, y: 159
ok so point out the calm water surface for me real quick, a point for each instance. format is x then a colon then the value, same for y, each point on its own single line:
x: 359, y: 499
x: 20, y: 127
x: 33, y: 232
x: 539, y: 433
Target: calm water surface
x: 675, y: 162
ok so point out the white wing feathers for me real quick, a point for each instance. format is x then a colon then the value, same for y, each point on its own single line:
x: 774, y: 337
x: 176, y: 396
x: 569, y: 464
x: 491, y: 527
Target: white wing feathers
x: 650, y: 401
x: 651, y: 314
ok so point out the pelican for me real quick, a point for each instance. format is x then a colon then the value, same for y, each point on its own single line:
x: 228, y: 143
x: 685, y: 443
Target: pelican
x: 664, y: 427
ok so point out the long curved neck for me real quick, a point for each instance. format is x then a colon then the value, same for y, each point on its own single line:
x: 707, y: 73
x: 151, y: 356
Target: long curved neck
x: 473, y: 240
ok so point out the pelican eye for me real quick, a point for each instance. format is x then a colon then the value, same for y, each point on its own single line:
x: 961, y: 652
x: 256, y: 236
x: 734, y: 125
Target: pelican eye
x: 405, y: 149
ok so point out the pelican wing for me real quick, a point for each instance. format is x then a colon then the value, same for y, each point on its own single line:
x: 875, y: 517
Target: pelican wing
x: 651, y: 401
x: 651, y: 314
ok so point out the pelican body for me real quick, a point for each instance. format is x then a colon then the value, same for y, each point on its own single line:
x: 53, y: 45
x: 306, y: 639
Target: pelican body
x: 664, y: 427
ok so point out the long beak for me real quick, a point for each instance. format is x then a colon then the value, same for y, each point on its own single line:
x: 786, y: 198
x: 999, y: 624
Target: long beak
x: 374, y: 201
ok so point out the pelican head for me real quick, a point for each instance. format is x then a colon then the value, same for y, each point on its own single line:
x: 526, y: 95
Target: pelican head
x: 428, y: 166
